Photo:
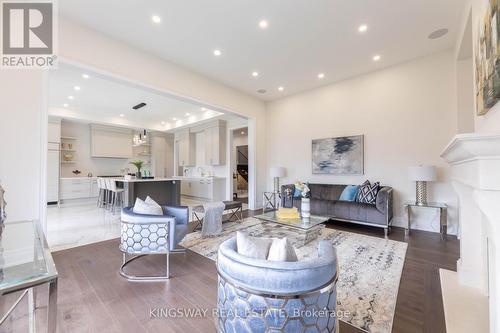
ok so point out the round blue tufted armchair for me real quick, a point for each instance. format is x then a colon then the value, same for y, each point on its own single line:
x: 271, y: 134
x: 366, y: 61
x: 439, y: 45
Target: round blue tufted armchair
x: 152, y: 234
x: 257, y: 295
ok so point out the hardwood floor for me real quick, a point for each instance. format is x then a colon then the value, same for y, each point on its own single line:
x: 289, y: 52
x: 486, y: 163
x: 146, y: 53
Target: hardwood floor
x: 94, y: 298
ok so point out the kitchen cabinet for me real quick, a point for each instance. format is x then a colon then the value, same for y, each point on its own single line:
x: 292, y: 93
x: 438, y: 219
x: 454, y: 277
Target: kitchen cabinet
x: 78, y: 188
x: 52, y: 175
x: 215, y: 143
x: 110, y: 142
x: 53, y: 160
x: 54, y: 132
x: 212, y: 189
x: 186, y: 148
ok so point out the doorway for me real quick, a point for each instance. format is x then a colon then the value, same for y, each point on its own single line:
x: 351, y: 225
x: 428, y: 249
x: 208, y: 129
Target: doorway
x: 239, y: 164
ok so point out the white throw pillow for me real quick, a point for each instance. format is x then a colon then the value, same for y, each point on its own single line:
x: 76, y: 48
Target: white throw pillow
x: 141, y: 207
x: 252, y: 247
x: 151, y: 202
x: 281, y: 250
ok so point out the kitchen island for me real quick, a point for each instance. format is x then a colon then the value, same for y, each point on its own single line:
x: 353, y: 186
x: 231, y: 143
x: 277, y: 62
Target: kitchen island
x: 165, y: 191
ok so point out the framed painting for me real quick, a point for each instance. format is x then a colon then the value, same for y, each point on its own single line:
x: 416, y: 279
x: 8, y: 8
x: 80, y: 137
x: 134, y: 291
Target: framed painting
x: 487, y: 60
x: 338, y: 156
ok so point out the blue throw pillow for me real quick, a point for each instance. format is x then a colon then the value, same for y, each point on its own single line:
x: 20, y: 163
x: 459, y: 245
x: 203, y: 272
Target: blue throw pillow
x: 349, y: 193
x: 297, y: 193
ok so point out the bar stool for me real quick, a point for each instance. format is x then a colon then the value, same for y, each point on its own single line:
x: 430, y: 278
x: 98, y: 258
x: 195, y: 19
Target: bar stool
x: 103, y: 192
x: 116, y: 195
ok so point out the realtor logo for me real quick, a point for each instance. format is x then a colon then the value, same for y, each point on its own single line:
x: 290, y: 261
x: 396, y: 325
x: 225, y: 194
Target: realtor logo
x: 28, y: 34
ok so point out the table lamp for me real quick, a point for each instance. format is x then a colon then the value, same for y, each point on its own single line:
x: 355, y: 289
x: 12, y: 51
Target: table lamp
x: 276, y: 173
x: 421, y: 175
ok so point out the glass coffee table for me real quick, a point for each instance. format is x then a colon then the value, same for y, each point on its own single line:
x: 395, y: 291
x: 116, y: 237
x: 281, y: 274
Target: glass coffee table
x: 306, y: 229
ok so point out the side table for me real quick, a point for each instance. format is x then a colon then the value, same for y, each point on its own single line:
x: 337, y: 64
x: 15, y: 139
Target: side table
x: 270, y: 201
x: 443, y: 215
x: 26, y: 263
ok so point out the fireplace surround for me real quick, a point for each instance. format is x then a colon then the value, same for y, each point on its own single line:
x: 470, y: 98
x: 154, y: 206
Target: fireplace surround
x: 475, y: 176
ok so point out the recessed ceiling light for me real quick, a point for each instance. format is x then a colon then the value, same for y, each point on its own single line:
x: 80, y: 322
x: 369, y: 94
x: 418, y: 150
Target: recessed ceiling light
x: 77, y: 88
x: 85, y: 76
x: 156, y: 19
x: 363, y: 28
x: 174, y: 119
x: 321, y: 75
x: 188, y: 114
x: 71, y: 97
x: 437, y: 34
x: 65, y: 105
x: 217, y: 53
x: 203, y: 109
x: 263, y: 24
x: 163, y: 123
x: 281, y: 88
x: 255, y: 74
x: 376, y: 57
x: 122, y: 115
x: 242, y: 132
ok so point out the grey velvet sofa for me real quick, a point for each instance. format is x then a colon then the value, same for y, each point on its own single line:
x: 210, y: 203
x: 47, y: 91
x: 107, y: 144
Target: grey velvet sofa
x: 325, y: 202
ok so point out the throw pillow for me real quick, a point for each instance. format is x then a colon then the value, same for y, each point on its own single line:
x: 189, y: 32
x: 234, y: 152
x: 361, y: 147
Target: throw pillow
x: 143, y: 208
x: 367, y: 192
x: 151, y: 202
x: 252, y: 247
x: 349, y: 193
x: 297, y: 193
x: 281, y: 250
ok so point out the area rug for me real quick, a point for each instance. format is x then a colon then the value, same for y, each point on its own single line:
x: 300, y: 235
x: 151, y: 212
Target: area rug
x: 370, y: 268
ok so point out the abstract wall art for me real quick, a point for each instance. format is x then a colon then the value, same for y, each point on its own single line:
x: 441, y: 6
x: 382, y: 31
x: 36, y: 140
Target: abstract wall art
x: 338, y: 156
x: 487, y: 60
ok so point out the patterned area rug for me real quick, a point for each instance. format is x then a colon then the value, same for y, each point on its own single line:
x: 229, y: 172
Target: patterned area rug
x: 370, y: 268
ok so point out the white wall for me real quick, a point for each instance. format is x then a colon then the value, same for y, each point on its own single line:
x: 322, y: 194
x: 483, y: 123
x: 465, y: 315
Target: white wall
x: 407, y: 114
x: 22, y: 123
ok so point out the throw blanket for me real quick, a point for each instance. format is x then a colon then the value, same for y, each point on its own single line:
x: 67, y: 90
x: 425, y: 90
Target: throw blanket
x: 212, y: 221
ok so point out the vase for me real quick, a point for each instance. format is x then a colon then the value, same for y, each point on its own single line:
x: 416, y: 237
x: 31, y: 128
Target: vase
x: 305, y: 207
x: 138, y: 175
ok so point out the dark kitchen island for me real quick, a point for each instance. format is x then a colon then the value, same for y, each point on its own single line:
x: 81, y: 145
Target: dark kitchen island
x: 165, y: 191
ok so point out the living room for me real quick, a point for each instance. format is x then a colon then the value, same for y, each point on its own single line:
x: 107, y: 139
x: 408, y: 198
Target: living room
x: 400, y: 95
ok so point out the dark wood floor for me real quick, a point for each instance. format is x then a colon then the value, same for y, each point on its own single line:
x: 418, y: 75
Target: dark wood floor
x: 94, y: 298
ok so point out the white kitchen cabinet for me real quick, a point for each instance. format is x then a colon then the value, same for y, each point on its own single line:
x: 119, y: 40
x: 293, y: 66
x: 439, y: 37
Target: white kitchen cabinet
x: 94, y: 189
x: 53, y: 159
x: 212, y: 189
x: 186, y: 148
x: 162, y: 162
x: 54, y: 132
x: 53, y: 174
x: 215, y: 144
x: 110, y: 142
x: 78, y: 188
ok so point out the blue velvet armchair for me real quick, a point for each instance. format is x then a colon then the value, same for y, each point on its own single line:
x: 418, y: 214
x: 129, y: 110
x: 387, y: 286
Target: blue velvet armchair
x: 257, y: 295
x: 152, y: 234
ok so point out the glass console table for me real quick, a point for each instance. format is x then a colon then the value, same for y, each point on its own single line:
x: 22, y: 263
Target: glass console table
x: 25, y: 263
x: 443, y: 215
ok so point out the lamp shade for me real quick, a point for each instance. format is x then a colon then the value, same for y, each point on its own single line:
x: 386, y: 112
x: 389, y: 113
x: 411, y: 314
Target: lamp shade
x: 277, y: 172
x: 422, y: 173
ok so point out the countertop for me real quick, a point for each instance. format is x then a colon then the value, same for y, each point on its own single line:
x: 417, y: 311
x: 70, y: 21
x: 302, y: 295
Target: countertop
x: 135, y: 180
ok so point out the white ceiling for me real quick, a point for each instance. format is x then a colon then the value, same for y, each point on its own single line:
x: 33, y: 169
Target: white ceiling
x: 102, y: 99
x: 304, y: 37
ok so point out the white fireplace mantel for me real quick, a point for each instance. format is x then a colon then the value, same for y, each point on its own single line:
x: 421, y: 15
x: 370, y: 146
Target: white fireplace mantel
x: 475, y: 176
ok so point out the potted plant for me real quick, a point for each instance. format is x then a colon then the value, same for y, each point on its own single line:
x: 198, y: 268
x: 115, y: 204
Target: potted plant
x: 138, y: 164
